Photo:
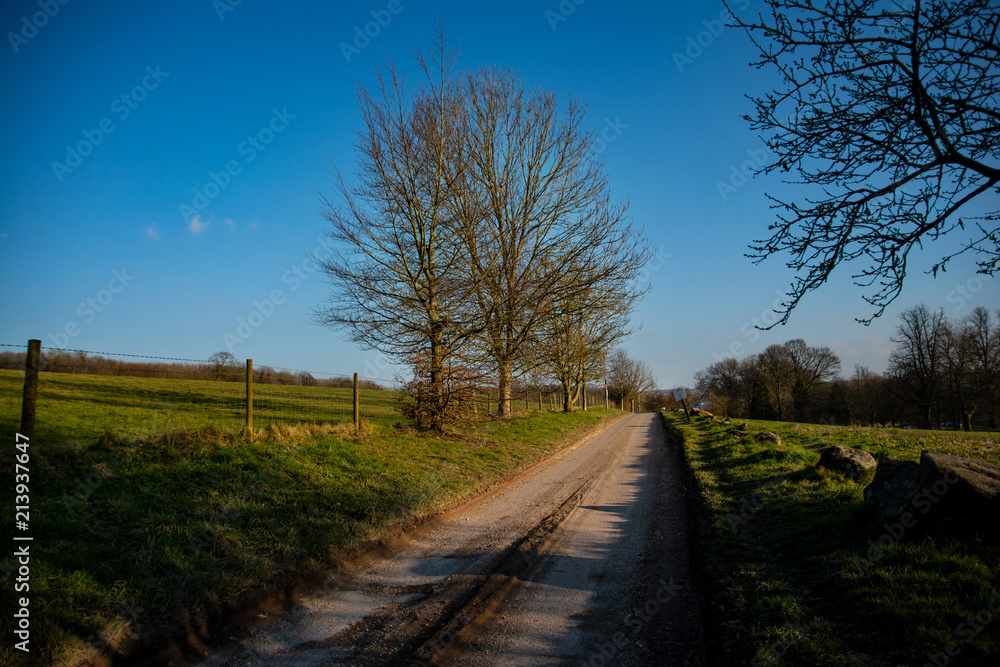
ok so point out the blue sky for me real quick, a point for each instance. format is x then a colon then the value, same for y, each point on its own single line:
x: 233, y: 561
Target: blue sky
x: 239, y: 111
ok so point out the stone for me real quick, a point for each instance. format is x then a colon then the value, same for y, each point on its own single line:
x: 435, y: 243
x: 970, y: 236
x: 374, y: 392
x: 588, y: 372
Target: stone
x: 960, y: 492
x: 942, y: 493
x: 846, y: 460
x: 767, y: 436
x: 893, y: 486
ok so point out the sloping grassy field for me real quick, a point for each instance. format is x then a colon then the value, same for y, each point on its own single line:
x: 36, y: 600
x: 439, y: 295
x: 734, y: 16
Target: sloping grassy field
x: 138, y: 528
x: 75, y: 407
x: 799, y: 570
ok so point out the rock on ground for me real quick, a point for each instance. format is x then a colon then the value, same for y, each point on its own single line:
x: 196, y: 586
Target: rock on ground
x: 767, y: 436
x: 846, y: 460
x: 893, y: 487
x: 943, y: 493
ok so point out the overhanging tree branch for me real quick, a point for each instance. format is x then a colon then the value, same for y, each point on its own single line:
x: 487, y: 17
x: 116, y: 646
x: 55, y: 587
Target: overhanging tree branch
x: 892, y: 109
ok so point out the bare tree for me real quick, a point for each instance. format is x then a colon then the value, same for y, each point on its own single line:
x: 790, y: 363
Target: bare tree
x: 970, y: 359
x: 960, y: 374
x: 778, y: 372
x: 867, y: 392
x: 782, y: 375
x: 724, y: 382
x: 892, y: 110
x: 985, y: 342
x: 572, y: 346
x: 810, y: 367
x: 478, y: 236
x: 534, y: 207
x: 398, y: 276
x: 917, y: 360
x: 591, y: 309
x: 224, y: 364
x: 628, y: 378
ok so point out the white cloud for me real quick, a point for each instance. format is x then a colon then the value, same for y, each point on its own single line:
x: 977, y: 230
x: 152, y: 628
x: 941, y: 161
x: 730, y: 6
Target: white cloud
x: 197, y: 225
x: 152, y: 232
x: 229, y: 222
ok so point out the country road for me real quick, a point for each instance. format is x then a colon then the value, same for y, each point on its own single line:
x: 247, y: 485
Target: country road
x: 581, y: 560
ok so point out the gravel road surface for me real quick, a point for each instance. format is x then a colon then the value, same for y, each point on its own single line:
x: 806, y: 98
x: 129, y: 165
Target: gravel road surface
x: 581, y: 560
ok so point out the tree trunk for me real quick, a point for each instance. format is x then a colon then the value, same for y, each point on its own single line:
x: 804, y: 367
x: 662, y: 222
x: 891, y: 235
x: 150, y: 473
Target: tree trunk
x: 567, y: 397
x: 437, y: 397
x: 927, y: 418
x: 504, y: 381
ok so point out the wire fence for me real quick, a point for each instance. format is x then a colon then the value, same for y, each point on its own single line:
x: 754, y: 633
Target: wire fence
x: 82, y: 394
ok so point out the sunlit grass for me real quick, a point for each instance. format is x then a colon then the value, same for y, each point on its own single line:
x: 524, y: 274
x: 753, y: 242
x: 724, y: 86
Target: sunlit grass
x: 798, y: 580
x: 137, y: 523
x: 81, y: 407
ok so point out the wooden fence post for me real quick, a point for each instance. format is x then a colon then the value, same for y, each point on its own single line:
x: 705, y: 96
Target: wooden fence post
x: 357, y: 413
x: 30, y: 395
x: 249, y: 395
x: 539, y: 399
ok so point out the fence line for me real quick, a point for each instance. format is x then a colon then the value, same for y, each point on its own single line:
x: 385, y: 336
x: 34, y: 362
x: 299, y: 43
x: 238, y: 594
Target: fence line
x: 152, y: 397
x: 64, y: 359
x: 113, y: 354
x: 73, y: 398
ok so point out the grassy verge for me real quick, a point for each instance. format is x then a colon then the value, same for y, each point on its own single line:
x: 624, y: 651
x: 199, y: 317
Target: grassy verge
x: 800, y: 571
x: 135, y: 533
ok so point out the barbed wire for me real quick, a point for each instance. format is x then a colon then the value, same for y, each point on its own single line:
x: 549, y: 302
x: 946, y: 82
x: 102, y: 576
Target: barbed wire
x: 116, y: 354
x: 201, y: 361
x: 296, y: 370
x: 115, y: 370
x: 133, y: 356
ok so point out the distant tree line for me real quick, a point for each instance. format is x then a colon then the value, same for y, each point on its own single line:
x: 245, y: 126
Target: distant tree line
x: 945, y: 370
x: 784, y: 382
x: 629, y: 380
x: 941, y: 372
x: 221, y: 366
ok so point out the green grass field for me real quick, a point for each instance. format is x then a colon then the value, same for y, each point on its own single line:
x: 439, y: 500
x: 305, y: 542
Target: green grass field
x: 794, y: 566
x: 147, y: 503
x: 80, y: 407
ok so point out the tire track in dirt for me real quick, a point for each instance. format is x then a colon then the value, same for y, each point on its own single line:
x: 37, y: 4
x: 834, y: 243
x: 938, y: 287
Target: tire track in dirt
x: 612, y: 585
x: 437, y: 594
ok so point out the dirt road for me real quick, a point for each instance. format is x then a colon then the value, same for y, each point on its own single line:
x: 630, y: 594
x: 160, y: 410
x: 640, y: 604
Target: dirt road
x: 582, y: 560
